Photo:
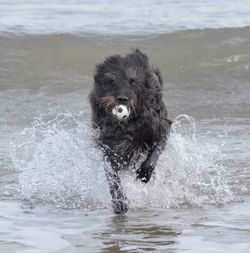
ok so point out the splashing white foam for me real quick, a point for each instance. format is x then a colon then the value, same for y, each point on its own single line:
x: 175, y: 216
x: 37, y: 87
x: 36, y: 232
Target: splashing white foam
x: 188, y: 173
x: 60, y: 164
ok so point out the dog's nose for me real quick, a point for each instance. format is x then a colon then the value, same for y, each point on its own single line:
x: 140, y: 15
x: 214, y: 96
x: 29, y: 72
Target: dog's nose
x: 122, y: 99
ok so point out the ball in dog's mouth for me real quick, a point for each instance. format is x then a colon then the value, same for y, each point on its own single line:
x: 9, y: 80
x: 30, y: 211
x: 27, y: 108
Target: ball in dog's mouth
x: 121, y: 112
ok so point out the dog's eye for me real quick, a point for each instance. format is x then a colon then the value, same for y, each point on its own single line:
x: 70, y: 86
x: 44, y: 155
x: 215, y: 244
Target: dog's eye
x: 109, y: 82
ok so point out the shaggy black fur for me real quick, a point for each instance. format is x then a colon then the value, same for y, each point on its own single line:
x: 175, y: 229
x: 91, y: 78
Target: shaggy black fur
x: 129, y: 80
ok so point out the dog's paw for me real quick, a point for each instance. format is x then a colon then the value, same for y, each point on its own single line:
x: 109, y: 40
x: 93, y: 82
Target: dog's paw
x: 120, y: 206
x: 145, y: 171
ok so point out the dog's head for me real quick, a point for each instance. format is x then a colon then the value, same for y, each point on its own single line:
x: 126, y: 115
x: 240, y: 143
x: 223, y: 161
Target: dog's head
x: 124, y: 86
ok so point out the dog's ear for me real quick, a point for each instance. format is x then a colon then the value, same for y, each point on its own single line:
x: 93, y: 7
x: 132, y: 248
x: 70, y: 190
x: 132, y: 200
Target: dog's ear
x: 144, y: 59
x: 140, y: 54
x: 158, y: 75
x: 96, y: 112
x: 92, y: 100
x: 141, y: 58
x: 153, y: 79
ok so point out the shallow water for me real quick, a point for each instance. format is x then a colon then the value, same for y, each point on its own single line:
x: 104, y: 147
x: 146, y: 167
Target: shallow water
x: 53, y: 193
x: 224, y: 229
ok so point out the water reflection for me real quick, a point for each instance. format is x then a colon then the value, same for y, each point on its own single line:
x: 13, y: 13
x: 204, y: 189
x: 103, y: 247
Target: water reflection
x: 137, y: 234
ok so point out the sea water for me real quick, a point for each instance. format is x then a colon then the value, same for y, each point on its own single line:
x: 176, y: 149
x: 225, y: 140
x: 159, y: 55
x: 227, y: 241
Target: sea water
x: 53, y: 193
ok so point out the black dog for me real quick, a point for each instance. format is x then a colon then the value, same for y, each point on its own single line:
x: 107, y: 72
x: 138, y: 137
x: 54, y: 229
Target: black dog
x: 128, y: 109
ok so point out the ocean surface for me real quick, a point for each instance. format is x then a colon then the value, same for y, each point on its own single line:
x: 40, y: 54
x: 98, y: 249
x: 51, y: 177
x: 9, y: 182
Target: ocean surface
x: 53, y: 193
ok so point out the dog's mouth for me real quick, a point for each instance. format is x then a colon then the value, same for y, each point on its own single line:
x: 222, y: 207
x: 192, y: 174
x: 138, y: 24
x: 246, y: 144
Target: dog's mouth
x: 120, y: 111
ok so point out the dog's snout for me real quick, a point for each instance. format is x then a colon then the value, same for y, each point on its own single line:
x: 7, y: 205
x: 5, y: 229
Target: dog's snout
x: 122, y: 99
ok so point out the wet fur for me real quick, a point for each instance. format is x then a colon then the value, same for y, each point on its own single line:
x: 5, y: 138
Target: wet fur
x: 147, y: 127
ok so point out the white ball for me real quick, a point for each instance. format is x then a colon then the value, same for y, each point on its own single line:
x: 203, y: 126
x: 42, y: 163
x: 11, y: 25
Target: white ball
x: 121, y: 112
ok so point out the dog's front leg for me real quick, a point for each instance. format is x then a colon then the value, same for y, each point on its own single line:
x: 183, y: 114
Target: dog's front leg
x: 119, y: 199
x: 145, y: 171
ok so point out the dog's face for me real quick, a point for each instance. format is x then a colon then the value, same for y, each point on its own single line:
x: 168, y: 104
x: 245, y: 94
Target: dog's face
x: 124, y: 84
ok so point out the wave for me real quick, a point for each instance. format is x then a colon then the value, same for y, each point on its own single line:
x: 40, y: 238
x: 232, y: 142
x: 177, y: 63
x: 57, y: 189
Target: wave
x: 63, y: 60
x: 120, y: 17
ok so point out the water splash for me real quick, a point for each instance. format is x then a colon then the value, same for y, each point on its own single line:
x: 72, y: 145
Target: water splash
x: 188, y: 173
x: 60, y: 165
